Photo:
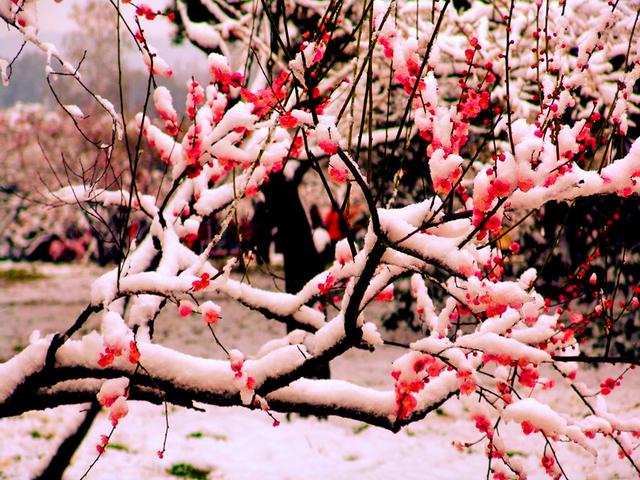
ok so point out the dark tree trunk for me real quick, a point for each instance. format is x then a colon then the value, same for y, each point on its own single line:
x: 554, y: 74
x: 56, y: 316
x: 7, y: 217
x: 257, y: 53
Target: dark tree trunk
x: 62, y: 457
x: 301, y: 260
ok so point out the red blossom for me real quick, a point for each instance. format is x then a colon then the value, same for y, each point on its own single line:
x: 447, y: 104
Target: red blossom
x: 338, y: 175
x: 185, y: 309
x: 482, y: 423
x: 202, y: 283
x: 386, y: 295
x: 105, y: 359
x: 236, y: 367
x: 608, y: 385
x: 528, y: 428
x: 469, y: 53
x: 288, y: 121
x: 134, y: 353
x: 468, y: 386
x: 325, y: 287
x: 548, y: 463
x: 528, y: 377
x: 108, y: 356
x: 327, y: 146
x: 405, y: 401
x: 420, y: 364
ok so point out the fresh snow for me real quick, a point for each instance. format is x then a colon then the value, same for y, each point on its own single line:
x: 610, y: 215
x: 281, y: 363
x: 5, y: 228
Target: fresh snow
x: 235, y: 443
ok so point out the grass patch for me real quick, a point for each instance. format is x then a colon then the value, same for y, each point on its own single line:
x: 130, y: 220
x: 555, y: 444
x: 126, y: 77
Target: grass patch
x: 186, y: 470
x: 516, y: 453
x: 441, y: 413
x: 410, y: 433
x: 216, y: 436
x: 37, y: 434
x: 117, y: 446
x: 351, y: 458
x: 359, y: 428
x: 20, y: 275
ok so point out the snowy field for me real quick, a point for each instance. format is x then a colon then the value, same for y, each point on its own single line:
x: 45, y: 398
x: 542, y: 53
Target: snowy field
x: 235, y: 443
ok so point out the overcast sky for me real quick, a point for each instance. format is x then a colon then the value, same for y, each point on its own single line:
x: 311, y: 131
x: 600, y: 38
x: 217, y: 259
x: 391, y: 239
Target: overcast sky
x: 54, y: 21
x: 54, y: 17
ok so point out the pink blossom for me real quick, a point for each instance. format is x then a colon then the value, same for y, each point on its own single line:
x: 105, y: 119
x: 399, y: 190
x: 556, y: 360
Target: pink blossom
x: 118, y: 410
x: 386, y: 295
x: 185, y: 308
x: 329, y: 147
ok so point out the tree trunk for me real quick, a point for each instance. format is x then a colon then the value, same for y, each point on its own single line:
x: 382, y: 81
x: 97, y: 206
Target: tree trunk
x: 301, y: 260
x: 68, y: 447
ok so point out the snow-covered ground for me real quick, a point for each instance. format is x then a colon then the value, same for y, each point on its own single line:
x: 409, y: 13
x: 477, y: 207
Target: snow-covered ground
x: 235, y: 443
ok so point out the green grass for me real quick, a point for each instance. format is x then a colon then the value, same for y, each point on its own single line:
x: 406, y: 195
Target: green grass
x: 516, y: 453
x: 360, y: 428
x: 20, y: 275
x: 216, y: 436
x: 185, y: 470
x: 117, y: 446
